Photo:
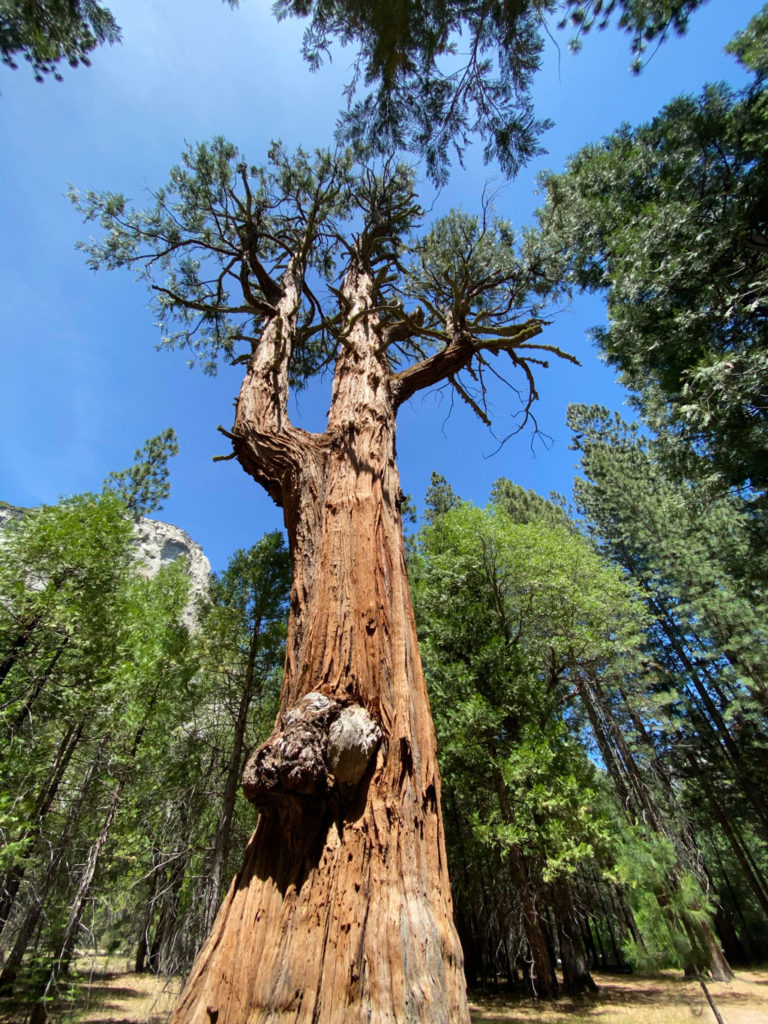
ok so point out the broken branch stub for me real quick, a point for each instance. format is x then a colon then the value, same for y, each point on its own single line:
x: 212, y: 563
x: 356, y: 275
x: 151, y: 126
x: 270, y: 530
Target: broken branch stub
x: 320, y: 741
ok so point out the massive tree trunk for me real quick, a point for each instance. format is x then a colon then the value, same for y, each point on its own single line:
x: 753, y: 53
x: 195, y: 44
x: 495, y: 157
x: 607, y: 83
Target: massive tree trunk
x: 342, y: 908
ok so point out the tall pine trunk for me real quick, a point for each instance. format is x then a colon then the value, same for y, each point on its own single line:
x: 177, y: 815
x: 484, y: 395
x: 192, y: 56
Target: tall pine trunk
x: 576, y: 974
x: 342, y: 908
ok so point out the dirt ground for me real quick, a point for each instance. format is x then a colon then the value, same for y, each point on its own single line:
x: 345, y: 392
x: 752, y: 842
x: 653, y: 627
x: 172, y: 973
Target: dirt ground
x: 113, y: 996
x: 628, y: 999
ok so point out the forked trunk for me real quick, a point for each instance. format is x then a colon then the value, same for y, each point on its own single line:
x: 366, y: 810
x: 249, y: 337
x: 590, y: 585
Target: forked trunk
x: 342, y: 909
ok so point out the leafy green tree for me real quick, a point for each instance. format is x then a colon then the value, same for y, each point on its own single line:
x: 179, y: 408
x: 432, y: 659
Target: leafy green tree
x: 692, y: 556
x: 534, y: 646
x: 669, y: 220
x: 47, y: 32
x: 507, y: 608
x: 83, y: 635
x: 60, y: 567
x: 74, y: 749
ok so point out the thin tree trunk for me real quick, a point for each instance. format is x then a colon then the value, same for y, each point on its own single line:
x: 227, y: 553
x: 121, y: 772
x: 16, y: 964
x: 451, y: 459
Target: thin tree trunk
x: 160, y: 958
x: 701, y: 932
x: 13, y: 878
x: 608, y: 917
x: 576, y: 976
x: 542, y: 977
x: 142, y: 942
x: 234, y: 772
x: 746, y: 938
x: 72, y: 927
x: 756, y: 882
x: 18, y: 645
x: 84, y: 884
x: 37, y: 689
x: 39, y: 894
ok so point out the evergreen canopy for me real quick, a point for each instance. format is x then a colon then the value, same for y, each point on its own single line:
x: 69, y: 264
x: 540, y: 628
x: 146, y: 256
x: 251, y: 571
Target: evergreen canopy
x: 439, y: 71
x: 224, y: 236
x: 670, y: 220
x: 46, y: 32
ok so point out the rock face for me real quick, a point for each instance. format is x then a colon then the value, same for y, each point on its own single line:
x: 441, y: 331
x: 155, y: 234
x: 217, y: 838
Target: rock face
x: 156, y: 544
x: 8, y: 513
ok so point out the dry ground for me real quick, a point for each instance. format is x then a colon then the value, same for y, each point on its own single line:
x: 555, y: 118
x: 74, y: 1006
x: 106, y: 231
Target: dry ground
x: 113, y: 996
x: 627, y: 999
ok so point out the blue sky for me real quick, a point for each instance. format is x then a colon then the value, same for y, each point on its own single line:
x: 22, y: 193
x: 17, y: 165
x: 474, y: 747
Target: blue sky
x: 81, y: 385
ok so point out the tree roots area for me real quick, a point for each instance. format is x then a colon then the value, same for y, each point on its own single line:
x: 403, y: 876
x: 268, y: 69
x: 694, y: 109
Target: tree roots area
x: 104, y: 993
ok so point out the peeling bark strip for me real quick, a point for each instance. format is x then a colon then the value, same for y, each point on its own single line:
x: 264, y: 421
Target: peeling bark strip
x: 342, y: 909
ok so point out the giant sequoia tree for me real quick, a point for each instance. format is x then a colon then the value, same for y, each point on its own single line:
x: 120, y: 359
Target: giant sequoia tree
x: 342, y: 908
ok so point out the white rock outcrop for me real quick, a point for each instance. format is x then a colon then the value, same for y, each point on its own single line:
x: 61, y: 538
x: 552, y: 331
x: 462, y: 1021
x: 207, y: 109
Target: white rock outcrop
x: 159, y: 543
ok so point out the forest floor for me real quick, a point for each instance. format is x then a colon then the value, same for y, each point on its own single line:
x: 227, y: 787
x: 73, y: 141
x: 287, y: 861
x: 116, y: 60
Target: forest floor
x: 665, y: 998
x: 110, y: 995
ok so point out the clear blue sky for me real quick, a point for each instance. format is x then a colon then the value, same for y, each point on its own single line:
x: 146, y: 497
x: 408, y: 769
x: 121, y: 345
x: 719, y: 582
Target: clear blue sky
x: 81, y: 386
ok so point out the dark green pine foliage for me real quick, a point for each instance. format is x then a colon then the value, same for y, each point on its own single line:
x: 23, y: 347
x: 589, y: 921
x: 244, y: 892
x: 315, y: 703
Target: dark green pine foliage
x: 692, y: 556
x: 440, y: 497
x: 144, y: 485
x: 47, y: 32
x: 670, y: 221
x: 459, y: 303
x: 221, y: 234
x: 432, y: 73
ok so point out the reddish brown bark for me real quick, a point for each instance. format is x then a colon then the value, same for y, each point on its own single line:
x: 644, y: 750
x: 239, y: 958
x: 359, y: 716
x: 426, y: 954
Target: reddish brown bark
x: 342, y: 909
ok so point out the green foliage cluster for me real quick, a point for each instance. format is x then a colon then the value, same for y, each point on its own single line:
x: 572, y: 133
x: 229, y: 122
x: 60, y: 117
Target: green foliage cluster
x: 46, y: 32
x: 577, y: 766
x: 225, y: 240
x: 670, y: 221
x: 124, y: 732
x: 578, y: 735
x: 433, y: 73
x: 700, y: 566
x: 144, y: 485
